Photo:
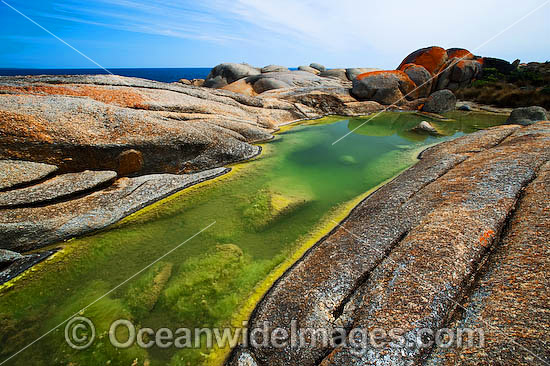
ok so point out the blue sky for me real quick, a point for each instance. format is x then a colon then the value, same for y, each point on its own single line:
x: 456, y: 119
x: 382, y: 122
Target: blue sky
x: 343, y: 33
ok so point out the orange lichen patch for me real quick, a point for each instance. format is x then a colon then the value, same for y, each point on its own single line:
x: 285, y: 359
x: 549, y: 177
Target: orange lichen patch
x: 486, y: 238
x: 14, y: 126
x: 460, y: 53
x: 120, y: 97
x: 432, y: 58
x: 398, y: 73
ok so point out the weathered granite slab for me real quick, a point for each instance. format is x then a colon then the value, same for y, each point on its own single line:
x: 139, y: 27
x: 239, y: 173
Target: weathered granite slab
x: 17, y: 172
x: 24, y: 229
x: 59, y: 187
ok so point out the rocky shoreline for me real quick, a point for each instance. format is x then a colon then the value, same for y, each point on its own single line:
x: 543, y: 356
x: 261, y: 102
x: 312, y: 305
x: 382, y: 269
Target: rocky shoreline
x: 408, y: 257
x: 79, y: 153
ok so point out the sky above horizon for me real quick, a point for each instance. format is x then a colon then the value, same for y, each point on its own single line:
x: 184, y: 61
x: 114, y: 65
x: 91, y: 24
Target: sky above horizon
x: 344, y: 33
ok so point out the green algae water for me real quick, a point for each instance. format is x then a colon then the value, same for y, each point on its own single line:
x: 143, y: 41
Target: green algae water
x: 261, y: 216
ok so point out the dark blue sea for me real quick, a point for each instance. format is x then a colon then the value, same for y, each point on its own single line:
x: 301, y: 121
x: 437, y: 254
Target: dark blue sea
x: 165, y: 75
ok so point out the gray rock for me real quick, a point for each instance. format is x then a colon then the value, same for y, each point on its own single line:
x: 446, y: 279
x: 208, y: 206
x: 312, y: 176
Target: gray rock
x: 463, y: 73
x: 528, y: 115
x: 265, y: 84
x: 274, y: 68
x: 17, y: 172
x: 7, y: 257
x: 317, y: 66
x: 441, y: 101
x: 352, y: 73
x: 227, y: 73
x: 175, y: 127
x: 421, y: 77
x: 335, y: 73
x: 309, y: 69
x: 22, y: 264
x: 464, y: 107
x: 387, y: 87
x: 295, y: 79
x: 425, y: 127
x: 24, y: 229
x: 57, y: 188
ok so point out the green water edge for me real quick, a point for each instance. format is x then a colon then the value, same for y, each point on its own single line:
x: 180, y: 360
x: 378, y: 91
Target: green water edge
x: 263, y: 211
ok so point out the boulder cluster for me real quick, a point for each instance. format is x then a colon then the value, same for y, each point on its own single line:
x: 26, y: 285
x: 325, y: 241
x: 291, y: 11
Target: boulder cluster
x: 249, y: 80
x: 421, y: 74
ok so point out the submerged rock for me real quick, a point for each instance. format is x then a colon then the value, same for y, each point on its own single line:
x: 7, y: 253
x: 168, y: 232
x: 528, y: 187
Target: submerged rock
x: 425, y: 127
x: 528, y: 115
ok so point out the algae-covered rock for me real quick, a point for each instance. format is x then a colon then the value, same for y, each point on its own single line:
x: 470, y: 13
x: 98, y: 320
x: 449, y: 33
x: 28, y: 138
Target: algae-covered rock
x: 268, y: 206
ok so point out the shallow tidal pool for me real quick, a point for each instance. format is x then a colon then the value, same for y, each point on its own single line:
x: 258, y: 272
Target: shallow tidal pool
x: 264, y: 214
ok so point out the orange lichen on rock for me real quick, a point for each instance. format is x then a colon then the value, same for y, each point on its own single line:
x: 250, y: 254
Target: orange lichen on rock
x: 397, y: 73
x: 432, y: 58
x: 460, y: 53
x: 241, y: 87
x: 120, y: 97
x: 14, y: 126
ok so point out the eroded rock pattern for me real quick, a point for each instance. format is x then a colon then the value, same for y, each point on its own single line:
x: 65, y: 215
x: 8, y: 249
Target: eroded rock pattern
x: 59, y: 187
x: 26, y: 228
x: 17, y: 172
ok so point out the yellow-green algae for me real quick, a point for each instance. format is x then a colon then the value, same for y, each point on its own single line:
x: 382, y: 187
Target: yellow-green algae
x: 301, y: 184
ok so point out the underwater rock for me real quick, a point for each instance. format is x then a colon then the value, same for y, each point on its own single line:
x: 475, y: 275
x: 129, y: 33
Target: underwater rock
x: 424, y: 127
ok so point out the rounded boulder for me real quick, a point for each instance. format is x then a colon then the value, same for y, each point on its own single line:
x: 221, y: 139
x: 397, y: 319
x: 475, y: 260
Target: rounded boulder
x: 441, y: 101
x: 431, y: 58
x: 228, y: 73
x: 421, y: 77
x: 384, y: 87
